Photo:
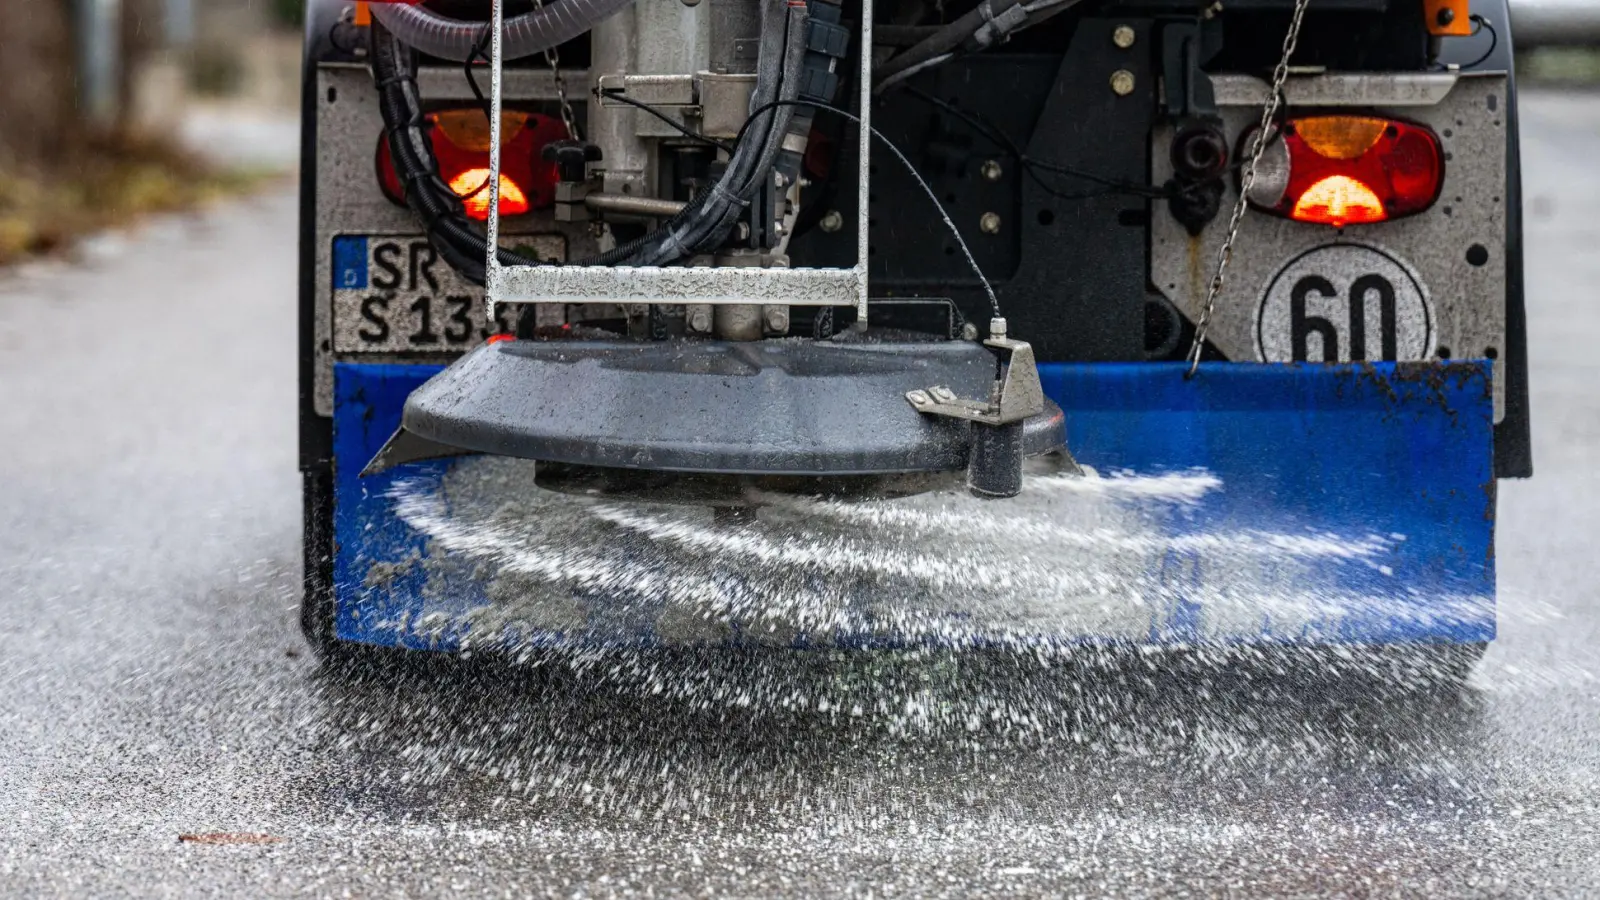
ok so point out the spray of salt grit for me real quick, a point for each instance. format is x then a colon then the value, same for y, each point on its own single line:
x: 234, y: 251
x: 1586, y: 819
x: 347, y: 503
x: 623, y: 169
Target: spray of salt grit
x: 727, y: 731
x: 961, y: 586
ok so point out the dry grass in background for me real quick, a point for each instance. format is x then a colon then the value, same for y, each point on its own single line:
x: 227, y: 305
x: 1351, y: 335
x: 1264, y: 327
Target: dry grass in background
x: 111, y: 183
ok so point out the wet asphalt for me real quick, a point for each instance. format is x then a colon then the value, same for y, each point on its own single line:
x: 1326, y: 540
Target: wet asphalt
x: 153, y: 683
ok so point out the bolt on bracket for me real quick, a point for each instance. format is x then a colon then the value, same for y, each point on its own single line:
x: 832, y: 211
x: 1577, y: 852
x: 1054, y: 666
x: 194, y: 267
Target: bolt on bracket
x: 1017, y: 393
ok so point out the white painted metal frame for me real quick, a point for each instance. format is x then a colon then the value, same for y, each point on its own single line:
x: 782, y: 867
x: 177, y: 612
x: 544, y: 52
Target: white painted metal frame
x: 676, y: 284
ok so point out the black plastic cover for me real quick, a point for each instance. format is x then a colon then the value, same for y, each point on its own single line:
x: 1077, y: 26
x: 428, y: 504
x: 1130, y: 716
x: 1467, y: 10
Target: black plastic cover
x: 776, y: 407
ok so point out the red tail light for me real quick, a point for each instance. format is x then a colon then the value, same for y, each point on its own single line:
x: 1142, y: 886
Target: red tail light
x: 460, y: 140
x: 1349, y: 170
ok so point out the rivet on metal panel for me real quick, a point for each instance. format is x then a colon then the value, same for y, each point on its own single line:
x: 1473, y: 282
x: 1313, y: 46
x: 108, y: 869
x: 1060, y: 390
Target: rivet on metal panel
x: 990, y: 223
x: 991, y: 170
x: 1124, y: 36
x: 1122, y: 82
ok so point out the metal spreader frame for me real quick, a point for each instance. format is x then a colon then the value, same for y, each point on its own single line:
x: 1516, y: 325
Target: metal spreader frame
x: 675, y: 284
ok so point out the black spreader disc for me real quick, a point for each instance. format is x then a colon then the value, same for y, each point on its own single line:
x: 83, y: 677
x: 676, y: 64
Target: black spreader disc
x: 776, y: 407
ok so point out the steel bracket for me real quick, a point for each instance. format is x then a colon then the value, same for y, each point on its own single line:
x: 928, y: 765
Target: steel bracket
x: 1017, y: 393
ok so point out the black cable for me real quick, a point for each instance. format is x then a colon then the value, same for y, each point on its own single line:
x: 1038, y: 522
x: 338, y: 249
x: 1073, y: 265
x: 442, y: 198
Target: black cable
x: 440, y: 211
x: 1113, y: 185
x: 479, y: 51
x: 991, y: 23
x: 617, y: 94
x: 994, y: 302
x: 712, y: 215
x: 948, y: 39
x: 1029, y: 164
x: 1494, y: 41
x: 999, y: 137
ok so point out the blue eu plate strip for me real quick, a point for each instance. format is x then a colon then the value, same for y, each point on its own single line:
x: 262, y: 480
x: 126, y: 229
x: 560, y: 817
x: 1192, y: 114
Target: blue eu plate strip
x: 349, y: 263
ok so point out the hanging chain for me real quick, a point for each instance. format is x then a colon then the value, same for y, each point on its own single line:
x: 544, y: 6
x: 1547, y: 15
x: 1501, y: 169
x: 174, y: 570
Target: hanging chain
x: 1247, y: 181
x: 552, y: 57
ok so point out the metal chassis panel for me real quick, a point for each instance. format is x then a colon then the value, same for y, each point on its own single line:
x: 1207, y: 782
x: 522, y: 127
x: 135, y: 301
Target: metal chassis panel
x: 1469, y: 302
x: 342, y: 109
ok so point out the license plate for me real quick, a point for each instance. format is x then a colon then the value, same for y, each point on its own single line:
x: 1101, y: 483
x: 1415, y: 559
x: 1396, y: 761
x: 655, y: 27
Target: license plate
x: 393, y: 294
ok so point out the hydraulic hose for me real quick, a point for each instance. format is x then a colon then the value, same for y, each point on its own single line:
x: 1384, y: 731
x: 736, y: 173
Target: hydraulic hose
x: 701, y: 226
x: 992, y: 22
x: 782, y: 37
x: 946, y: 40
x: 743, y: 182
x: 776, y: 129
x: 529, y: 33
x: 442, y: 213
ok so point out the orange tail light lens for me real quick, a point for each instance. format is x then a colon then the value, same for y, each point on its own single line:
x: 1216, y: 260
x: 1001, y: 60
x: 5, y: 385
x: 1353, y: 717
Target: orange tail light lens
x: 1339, y: 200
x: 460, y: 139
x: 1349, y: 170
x: 472, y: 186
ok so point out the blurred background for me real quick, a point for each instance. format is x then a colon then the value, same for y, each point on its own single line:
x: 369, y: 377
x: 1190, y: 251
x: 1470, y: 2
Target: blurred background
x: 139, y: 106
x: 1559, y: 41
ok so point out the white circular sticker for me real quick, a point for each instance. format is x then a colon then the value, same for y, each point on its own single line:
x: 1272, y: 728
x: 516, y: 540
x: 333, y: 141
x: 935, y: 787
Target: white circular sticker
x: 1345, y: 303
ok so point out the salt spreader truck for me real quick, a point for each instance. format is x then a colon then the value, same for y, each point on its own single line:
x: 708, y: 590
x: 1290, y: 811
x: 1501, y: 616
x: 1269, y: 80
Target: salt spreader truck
x: 889, y: 323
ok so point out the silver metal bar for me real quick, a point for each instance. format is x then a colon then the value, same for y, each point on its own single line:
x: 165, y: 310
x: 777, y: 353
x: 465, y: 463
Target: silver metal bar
x: 446, y: 83
x: 863, y: 179
x: 656, y: 90
x: 722, y: 285
x: 1340, y: 89
x: 625, y: 204
x: 491, y: 270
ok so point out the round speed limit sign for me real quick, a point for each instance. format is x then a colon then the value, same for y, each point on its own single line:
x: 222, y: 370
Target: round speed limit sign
x: 1345, y: 303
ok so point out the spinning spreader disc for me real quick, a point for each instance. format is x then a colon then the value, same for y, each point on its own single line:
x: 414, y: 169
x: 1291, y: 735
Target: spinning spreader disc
x: 774, y: 407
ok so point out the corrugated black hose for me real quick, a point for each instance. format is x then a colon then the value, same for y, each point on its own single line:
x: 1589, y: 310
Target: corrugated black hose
x: 442, y: 213
x: 697, y: 228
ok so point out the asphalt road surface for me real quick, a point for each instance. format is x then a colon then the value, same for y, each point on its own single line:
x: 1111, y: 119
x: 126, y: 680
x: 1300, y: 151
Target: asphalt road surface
x: 153, y: 683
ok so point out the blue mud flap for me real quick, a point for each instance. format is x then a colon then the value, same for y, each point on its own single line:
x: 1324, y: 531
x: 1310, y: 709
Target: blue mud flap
x: 1251, y: 504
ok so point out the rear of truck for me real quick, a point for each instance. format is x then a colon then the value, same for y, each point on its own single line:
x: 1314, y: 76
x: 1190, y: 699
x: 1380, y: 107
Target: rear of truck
x: 1302, y: 450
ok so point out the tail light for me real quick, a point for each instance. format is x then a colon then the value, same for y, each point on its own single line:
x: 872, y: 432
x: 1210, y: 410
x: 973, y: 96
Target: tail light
x: 460, y: 140
x: 1348, y: 170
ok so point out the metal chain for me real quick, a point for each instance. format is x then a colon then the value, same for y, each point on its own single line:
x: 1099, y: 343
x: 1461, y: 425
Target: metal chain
x: 1247, y: 181
x: 552, y: 57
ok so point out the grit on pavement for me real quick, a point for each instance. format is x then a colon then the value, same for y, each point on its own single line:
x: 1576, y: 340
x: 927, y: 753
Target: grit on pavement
x: 155, y: 684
